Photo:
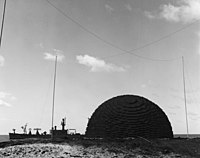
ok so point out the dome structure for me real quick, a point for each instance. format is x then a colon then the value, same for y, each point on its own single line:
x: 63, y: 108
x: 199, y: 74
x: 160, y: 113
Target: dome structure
x: 129, y: 116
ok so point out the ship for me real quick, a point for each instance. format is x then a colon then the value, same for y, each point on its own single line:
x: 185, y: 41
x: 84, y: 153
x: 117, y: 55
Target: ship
x: 26, y: 135
x: 54, y: 133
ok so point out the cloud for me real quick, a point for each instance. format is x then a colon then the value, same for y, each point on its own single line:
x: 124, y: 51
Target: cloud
x: 4, y: 103
x: 4, y: 96
x: 149, y: 15
x: 97, y: 65
x: 2, y: 60
x: 171, y: 13
x: 52, y: 57
x: 57, y: 51
x: 128, y: 7
x: 109, y: 8
x: 185, y: 11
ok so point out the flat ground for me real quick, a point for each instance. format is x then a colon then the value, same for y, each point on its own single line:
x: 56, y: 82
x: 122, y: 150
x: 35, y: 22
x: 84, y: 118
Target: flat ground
x: 139, y: 148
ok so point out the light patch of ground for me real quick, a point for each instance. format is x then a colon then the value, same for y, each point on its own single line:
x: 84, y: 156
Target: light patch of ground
x: 49, y: 150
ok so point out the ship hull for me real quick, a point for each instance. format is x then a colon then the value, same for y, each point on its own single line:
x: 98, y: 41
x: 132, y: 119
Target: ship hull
x: 27, y: 136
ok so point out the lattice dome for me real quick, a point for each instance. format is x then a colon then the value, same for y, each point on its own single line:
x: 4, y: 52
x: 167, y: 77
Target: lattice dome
x: 129, y: 116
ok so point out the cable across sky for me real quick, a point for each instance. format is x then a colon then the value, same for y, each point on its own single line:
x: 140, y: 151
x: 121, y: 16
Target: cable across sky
x: 121, y: 49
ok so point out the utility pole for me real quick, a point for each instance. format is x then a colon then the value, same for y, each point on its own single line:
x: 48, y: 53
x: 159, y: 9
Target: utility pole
x: 2, y: 23
x: 54, y: 89
x: 185, y: 101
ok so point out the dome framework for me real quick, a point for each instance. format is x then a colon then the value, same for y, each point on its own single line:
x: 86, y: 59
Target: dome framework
x: 129, y: 116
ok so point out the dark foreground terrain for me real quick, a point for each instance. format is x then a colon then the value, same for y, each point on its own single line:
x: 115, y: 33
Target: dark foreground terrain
x: 139, y: 148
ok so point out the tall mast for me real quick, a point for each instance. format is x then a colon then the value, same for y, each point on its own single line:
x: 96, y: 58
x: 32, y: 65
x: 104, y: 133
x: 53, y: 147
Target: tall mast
x: 2, y: 23
x: 185, y: 101
x: 54, y: 89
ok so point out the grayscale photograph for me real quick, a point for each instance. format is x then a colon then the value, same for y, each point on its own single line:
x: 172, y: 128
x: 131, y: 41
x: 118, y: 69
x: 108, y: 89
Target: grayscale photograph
x: 99, y: 78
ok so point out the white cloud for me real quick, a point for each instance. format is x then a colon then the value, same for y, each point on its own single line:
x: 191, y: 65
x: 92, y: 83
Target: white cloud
x: 109, y: 8
x: 2, y: 60
x: 185, y: 11
x: 171, y: 13
x: 4, y: 96
x: 52, y: 57
x: 149, y: 15
x: 58, y: 52
x: 4, y: 103
x: 97, y: 65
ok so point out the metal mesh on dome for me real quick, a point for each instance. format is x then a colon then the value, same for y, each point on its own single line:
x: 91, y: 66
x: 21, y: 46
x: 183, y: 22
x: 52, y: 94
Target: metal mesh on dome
x: 129, y: 116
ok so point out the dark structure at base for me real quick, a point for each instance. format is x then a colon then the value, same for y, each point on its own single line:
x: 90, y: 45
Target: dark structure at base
x: 55, y: 134
x: 129, y: 116
x: 26, y: 136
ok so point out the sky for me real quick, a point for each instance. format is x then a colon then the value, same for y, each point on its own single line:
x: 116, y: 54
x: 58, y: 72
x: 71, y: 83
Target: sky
x: 105, y: 48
